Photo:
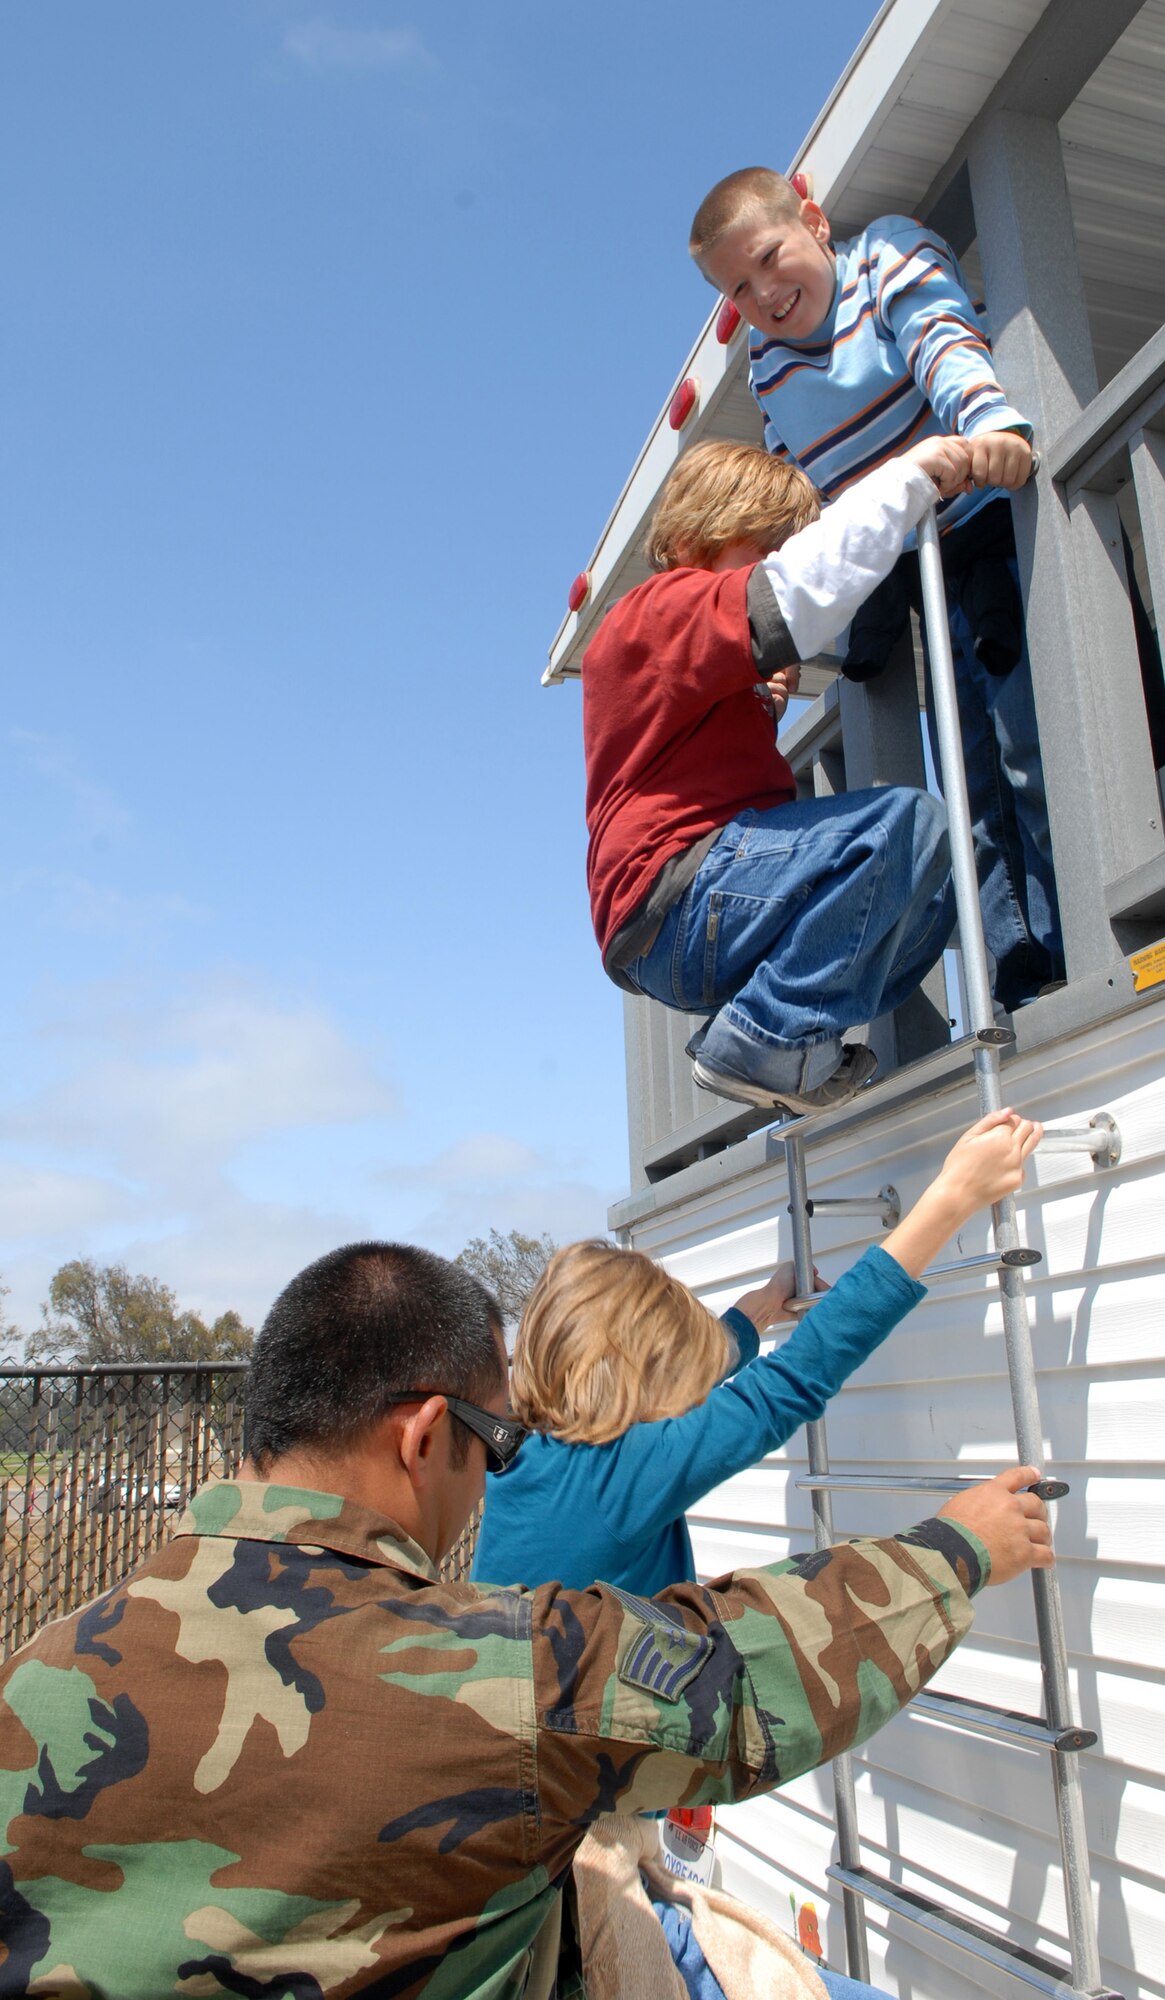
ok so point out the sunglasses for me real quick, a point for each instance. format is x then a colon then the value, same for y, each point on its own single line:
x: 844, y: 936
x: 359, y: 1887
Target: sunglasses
x: 501, y: 1436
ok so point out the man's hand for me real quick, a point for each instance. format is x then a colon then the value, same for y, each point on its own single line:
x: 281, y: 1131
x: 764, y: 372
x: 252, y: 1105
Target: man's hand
x: 769, y: 1304
x: 946, y: 460
x: 782, y: 687
x: 1000, y: 458
x: 1012, y: 1524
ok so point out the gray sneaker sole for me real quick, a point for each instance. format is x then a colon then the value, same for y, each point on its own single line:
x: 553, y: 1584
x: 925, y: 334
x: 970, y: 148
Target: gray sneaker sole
x: 856, y: 1068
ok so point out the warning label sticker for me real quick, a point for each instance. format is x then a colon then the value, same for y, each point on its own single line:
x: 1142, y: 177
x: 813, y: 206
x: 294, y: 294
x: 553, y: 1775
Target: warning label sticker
x: 1148, y: 967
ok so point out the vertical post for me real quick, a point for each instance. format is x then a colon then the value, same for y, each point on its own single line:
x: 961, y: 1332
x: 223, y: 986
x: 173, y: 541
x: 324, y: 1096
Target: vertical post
x: 845, y: 1803
x: 107, y: 1477
x: 8, y: 1571
x: 54, y: 1497
x: 975, y: 973
x: 1148, y: 456
x: 882, y: 737
x: 30, y: 1597
x: 1092, y: 729
x: 75, y: 1532
x: 1017, y: 1334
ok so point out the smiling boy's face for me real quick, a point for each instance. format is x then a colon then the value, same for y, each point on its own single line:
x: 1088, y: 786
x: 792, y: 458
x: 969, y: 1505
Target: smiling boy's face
x: 780, y: 275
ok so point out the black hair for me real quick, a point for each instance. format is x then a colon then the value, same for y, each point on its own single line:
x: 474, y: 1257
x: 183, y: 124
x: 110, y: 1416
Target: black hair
x: 357, y: 1327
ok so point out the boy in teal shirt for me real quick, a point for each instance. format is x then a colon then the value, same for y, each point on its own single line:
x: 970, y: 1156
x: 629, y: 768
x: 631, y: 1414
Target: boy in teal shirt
x: 639, y: 1402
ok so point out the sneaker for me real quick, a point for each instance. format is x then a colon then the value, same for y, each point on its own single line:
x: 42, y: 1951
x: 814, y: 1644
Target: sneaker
x: 856, y: 1067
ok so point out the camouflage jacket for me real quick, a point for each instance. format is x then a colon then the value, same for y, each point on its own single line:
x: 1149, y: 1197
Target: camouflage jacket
x: 283, y: 1759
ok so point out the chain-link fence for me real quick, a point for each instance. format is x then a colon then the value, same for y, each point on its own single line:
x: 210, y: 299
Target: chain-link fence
x: 459, y: 1561
x: 96, y: 1465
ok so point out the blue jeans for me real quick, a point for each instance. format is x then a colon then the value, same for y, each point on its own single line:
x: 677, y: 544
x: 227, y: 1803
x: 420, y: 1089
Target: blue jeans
x: 803, y: 921
x: 701, y: 1981
x: 1009, y: 816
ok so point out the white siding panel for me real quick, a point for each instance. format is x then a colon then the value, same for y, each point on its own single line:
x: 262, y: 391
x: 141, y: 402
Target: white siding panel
x: 956, y: 1816
x: 795, y: 1865
x: 771, y: 1848
x: 1128, y: 1616
x: 720, y: 1549
x: 1135, y: 1827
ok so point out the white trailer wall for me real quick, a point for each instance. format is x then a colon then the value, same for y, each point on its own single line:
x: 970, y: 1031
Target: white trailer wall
x: 972, y: 1820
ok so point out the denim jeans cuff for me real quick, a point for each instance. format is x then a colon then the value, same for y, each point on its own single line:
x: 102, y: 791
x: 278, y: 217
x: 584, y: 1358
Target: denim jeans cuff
x: 728, y: 1046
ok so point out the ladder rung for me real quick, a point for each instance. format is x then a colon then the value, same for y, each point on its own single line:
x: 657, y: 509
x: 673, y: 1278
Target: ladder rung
x: 917, y: 1482
x: 989, y: 1720
x: 900, y: 1086
x: 1019, y: 1259
x: 884, y: 1204
x: 1046, y: 1975
x: 1100, y: 1137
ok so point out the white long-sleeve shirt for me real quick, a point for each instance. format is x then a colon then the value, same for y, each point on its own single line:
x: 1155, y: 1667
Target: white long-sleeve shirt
x: 823, y: 573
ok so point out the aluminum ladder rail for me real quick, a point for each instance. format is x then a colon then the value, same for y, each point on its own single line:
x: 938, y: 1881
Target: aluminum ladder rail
x: 1057, y: 1730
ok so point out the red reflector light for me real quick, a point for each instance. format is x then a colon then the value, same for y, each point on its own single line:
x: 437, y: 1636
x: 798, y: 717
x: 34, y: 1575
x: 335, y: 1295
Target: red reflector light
x: 802, y: 185
x: 698, y: 1819
x: 727, y: 321
x: 579, y: 590
x: 683, y: 402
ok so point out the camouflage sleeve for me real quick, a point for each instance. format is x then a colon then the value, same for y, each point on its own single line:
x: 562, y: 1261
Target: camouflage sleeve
x: 711, y: 1693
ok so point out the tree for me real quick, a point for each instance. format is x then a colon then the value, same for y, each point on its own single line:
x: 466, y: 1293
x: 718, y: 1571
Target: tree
x: 101, y: 1314
x: 11, y: 1337
x: 509, y: 1266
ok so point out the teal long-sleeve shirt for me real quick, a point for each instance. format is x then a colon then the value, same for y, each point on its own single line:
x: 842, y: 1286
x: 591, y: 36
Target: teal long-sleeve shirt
x: 582, y: 1513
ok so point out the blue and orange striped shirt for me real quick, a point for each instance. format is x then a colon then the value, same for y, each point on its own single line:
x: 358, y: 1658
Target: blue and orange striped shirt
x: 902, y: 355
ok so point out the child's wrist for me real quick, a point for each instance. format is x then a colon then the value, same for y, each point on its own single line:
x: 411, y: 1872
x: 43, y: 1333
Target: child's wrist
x: 948, y: 1206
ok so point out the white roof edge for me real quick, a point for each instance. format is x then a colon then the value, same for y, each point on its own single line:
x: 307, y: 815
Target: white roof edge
x: 855, y: 107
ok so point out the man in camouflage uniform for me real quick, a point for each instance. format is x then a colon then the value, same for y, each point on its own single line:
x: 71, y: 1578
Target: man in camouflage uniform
x: 283, y: 1759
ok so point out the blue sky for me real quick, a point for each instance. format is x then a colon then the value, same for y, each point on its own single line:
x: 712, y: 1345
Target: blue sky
x: 330, y: 335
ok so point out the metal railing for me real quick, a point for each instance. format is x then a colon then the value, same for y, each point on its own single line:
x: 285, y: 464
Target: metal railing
x: 96, y: 1468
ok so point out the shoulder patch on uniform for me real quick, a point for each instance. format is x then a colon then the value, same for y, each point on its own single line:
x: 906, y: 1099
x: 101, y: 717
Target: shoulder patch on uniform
x: 657, y: 1652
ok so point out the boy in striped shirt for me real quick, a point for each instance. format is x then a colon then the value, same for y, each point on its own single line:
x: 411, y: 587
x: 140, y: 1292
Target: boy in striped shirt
x: 858, y: 350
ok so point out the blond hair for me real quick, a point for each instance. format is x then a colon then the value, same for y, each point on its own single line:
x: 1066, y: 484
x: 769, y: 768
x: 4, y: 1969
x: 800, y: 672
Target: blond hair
x: 748, y: 191
x: 718, y: 494
x: 609, y: 1339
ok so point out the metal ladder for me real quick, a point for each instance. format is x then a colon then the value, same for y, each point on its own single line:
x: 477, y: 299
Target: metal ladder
x: 1057, y: 1729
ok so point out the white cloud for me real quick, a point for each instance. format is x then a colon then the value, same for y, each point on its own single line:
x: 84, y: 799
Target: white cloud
x: 100, y: 814
x: 482, y: 1159
x: 65, y: 900
x: 240, y: 1254
x: 222, y: 1139
x: 132, y: 1152
x: 564, y: 1209
x: 227, y: 1252
x: 36, y: 1200
x: 320, y: 45
x: 489, y: 1180
x: 178, y: 1090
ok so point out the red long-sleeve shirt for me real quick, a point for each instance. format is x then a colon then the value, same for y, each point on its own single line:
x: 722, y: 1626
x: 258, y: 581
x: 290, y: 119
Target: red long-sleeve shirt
x: 677, y: 735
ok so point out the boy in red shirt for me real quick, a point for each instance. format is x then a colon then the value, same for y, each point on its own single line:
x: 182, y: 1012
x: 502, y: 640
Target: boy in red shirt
x: 713, y: 887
